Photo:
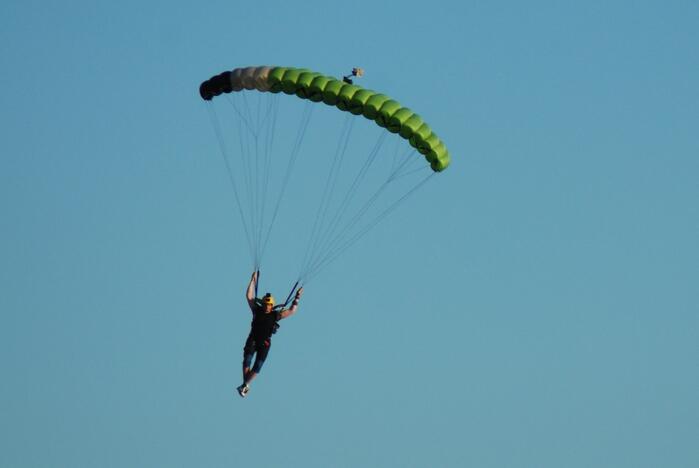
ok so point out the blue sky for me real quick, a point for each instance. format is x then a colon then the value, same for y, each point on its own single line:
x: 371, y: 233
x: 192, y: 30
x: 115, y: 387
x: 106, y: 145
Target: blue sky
x: 535, y: 305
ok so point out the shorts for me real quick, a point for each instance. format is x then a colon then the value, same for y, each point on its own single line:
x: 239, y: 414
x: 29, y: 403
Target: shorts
x: 257, y: 347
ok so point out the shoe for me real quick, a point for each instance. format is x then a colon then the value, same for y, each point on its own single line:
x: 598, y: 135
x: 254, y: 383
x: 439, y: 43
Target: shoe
x: 243, y: 390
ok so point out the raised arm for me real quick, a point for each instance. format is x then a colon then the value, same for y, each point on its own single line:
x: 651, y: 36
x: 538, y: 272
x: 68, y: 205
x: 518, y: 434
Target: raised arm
x: 250, y: 294
x: 294, y: 306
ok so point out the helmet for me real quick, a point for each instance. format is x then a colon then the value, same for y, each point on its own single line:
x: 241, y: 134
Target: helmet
x: 268, y: 300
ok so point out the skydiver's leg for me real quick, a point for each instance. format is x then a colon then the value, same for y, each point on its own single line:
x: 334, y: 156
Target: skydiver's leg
x: 260, y: 357
x: 247, y: 360
x: 248, y: 353
x: 250, y: 376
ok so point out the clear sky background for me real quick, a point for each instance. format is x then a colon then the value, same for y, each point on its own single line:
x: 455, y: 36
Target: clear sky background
x: 535, y: 306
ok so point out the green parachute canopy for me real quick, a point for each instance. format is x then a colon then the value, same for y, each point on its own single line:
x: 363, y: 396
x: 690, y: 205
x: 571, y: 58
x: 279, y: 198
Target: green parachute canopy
x: 316, y: 87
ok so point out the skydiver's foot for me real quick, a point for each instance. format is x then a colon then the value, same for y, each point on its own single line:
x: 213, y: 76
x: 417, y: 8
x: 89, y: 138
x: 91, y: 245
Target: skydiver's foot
x: 243, y: 390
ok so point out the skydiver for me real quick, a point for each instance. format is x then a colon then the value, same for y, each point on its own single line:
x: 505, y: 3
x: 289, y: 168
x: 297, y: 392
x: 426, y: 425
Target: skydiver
x: 356, y: 71
x: 265, y: 318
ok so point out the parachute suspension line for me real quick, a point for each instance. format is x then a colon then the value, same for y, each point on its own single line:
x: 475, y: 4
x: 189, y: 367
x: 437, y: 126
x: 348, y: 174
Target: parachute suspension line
x: 351, y: 223
x: 246, y: 133
x: 244, y: 139
x: 248, y: 140
x: 243, y: 118
x: 402, y: 169
x: 395, y: 154
x: 257, y: 184
x: 351, y: 192
x: 261, y: 166
x: 268, y: 145
x: 336, y: 246
x: 248, y: 113
x: 256, y: 128
x: 330, y: 257
x: 224, y: 152
x: 303, y: 126
x: 347, y: 227
x: 340, y: 151
x: 408, y: 173
x: 333, y: 238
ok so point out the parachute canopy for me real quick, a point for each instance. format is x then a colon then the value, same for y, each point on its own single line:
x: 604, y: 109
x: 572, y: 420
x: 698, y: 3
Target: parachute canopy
x: 316, y: 87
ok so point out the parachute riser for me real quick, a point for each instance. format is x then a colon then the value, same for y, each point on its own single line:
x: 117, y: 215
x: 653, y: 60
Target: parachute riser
x: 288, y: 298
x: 257, y: 282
